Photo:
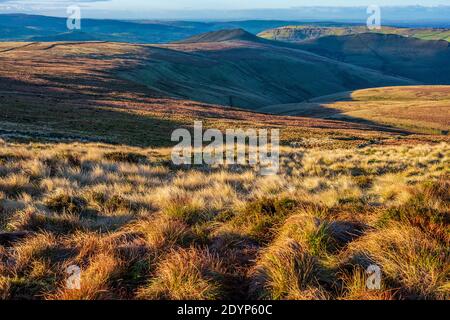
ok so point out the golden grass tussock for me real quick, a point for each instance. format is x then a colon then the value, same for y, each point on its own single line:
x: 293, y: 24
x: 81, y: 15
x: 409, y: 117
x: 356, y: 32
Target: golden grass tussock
x: 94, y: 281
x: 355, y: 284
x: 287, y: 271
x: 187, y: 274
x: 411, y: 260
x: 163, y: 232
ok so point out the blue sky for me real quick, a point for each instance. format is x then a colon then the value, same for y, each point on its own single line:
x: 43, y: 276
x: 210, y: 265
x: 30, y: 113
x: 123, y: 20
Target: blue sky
x: 254, y: 4
x: 137, y: 8
x: 214, y: 4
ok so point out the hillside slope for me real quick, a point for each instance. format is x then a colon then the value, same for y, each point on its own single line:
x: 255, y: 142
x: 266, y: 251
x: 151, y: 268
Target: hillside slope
x: 71, y: 92
x: 424, y: 61
x: 248, y: 73
x: 424, y: 109
x: 309, y: 32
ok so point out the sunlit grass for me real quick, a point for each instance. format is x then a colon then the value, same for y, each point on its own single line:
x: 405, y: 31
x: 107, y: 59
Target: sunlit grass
x: 141, y: 228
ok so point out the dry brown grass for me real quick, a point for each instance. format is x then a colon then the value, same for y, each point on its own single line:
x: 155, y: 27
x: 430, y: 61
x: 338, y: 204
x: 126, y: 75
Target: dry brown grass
x: 190, y: 274
x: 415, y: 263
x: 287, y: 271
x: 147, y: 230
x: 423, y: 109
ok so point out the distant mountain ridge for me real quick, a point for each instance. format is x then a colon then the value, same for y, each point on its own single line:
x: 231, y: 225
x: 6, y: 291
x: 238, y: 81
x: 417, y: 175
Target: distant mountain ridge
x: 22, y: 27
x: 309, y: 32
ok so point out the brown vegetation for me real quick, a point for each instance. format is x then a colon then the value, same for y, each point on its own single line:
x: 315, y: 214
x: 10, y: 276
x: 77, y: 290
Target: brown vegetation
x: 145, y: 230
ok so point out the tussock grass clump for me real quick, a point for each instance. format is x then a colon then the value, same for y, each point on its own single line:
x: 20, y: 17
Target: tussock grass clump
x: 300, y: 263
x: 32, y: 219
x: 11, y: 157
x: 364, y: 182
x: 187, y: 274
x: 34, y: 267
x: 95, y: 280
x: 294, y: 266
x: 286, y: 271
x: 428, y: 209
x: 310, y: 231
x: 355, y: 286
x: 69, y: 158
x: 4, y: 216
x: 109, y: 205
x: 41, y: 247
x: 128, y: 157
x: 410, y: 260
x: 61, y: 159
x: 62, y: 203
x: 107, y: 262
x: 322, y: 238
x: 164, y: 232
x: 16, y: 184
x: 259, y: 218
x: 117, y: 203
x: 437, y: 193
x: 190, y: 210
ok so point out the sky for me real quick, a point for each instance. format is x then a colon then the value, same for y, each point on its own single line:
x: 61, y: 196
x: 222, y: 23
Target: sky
x: 253, y: 4
x: 135, y: 8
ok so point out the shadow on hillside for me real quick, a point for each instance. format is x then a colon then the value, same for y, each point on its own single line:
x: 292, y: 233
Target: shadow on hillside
x: 67, y: 111
x: 320, y: 111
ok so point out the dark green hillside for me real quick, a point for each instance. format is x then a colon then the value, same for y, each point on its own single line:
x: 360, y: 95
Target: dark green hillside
x: 420, y: 60
x: 248, y: 74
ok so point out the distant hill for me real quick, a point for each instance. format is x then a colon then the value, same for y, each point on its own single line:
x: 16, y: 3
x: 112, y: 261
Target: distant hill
x: 309, y: 32
x: 424, y: 61
x: 222, y: 35
x: 423, y: 109
x: 234, y: 68
x: 42, y: 28
x: 22, y: 27
x: 252, y: 26
x: 66, y: 36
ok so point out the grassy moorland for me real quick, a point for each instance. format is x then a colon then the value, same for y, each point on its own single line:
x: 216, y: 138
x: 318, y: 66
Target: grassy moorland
x: 235, y: 68
x: 416, y: 108
x: 78, y: 92
x: 86, y: 179
x: 140, y: 228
